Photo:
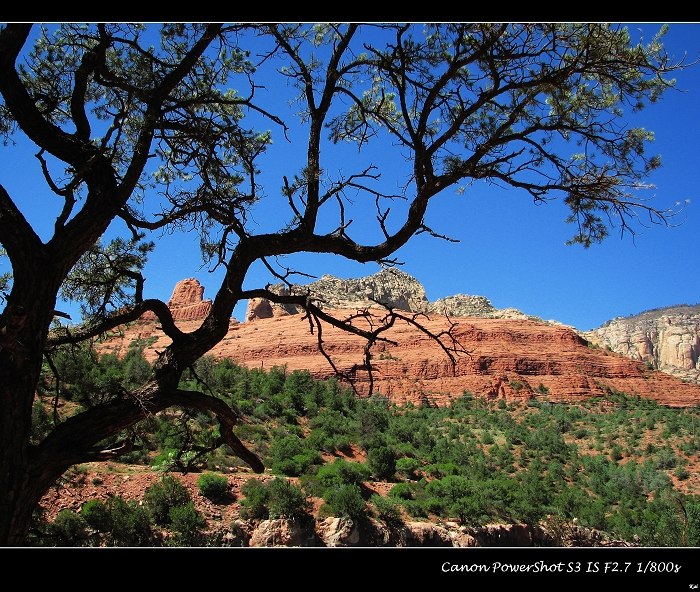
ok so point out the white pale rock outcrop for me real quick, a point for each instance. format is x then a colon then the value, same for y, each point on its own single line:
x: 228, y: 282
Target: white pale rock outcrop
x: 391, y: 287
x: 667, y: 339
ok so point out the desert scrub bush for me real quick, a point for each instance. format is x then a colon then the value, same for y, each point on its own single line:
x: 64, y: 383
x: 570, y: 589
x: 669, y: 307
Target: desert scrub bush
x: 342, y: 472
x: 408, y: 466
x: 345, y: 500
x: 289, y: 456
x: 254, y: 505
x: 97, y: 516
x: 213, y: 487
x: 616, y: 453
x: 487, y: 438
x: 386, y: 509
x: 402, y: 491
x: 285, y: 500
x: 130, y: 524
x: 187, y: 523
x: 68, y: 530
x: 167, y: 493
x: 276, y: 499
x: 381, y: 461
x: 666, y: 458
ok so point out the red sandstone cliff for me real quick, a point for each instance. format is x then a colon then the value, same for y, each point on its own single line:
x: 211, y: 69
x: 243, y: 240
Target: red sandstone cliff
x: 508, y: 358
x: 186, y: 303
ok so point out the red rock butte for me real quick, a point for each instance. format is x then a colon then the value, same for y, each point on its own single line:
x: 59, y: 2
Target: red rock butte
x: 508, y: 358
x: 186, y: 303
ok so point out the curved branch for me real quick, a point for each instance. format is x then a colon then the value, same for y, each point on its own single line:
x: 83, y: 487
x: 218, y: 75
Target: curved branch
x: 16, y: 234
x: 75, y: 440
x: 158, y: 307
x: 43, y: 133
x: 87, y: 66
x: 227, y: 420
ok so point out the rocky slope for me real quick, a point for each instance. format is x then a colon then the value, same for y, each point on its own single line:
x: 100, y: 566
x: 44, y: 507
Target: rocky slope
x: 227, y: 529
x: 390, y: 286
x: 507, y: 358
x: 666, y: 339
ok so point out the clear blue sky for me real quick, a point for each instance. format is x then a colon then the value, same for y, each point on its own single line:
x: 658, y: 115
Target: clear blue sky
x: 510, y: 250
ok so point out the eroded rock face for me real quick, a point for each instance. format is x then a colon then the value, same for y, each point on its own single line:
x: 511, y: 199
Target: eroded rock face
x: 258, y: 308
x: 279, y: 533
x: 506, y: 535
x: 667, y: 339
x: 504, y: 355
x: 426, y: 534
x: 186, y: 303
x: 462, y: 305
x: 507, y: 359
x: 186, y: 293
x: 391, y: 287
x: 338, y: 532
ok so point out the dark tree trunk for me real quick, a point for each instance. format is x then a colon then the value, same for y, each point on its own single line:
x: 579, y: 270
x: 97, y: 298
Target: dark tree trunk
x: 15, y: 498
x: 23, y: 330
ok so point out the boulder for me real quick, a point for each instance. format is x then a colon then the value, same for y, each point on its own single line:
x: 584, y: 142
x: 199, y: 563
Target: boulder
x: 338, y: 532
x: 426, y: 534
x: 279, y: 533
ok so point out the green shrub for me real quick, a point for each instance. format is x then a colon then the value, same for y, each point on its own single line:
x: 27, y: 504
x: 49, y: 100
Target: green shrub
x: 374, y: 423
x: 160, y: 497
x: 345, y: 500
x: 407, y: 466
x: 401, y: 491
x: 41, y: 422
x: 131, y: 524
x: 386, y: 509
x: 381, y: 461
x: 487, y: 438
x: 255, y: 503
x: 97, y: 515
x: 616, y: 453
x: 415, y: 508
x: 342, y: 472
x: 666, y: 458
x: 285, y: 500
x: 187, y: 524
x: 69, y: 529
x: 213, y: 487
x: 289, y: 456
x: 276, y: 499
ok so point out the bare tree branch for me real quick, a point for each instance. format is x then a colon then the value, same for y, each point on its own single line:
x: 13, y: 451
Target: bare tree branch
x: 74, y: 440
x: 65, y: 335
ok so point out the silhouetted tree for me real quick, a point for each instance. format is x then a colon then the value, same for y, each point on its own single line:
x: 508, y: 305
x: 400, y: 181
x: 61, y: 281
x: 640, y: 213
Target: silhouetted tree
x: 145, y: 130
